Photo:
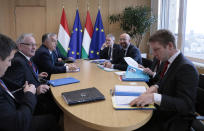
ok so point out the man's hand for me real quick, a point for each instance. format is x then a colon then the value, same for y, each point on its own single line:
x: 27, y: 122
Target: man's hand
x: 29, y: 87
x: 152, y: 89
x: 43, y: 74
x: 105, y: 45
x: 59, y: 59
x: 148, y: 71
x: 144, y: 99
x: 72, y: 67
x: 42, y: 89
x: 107, y: 64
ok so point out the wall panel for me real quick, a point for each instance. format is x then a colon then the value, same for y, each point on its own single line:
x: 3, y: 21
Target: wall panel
x: 53, y: 10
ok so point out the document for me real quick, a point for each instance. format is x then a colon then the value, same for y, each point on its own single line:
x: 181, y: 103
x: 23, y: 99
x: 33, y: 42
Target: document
x: 99, y: 61
x: 123, y: 95
x: 106, y: 69
x: 120, y: 73
x: 132, y: 62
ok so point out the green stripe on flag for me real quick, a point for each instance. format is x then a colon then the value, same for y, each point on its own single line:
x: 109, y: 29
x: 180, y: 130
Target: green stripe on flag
x: 62, y: 50
x: 84, y: 55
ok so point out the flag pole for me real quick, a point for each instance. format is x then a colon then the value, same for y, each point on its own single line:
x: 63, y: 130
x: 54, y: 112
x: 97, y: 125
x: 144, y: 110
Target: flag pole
x: 62, y: 3
x: 99, y: 3
x: 77, y: 4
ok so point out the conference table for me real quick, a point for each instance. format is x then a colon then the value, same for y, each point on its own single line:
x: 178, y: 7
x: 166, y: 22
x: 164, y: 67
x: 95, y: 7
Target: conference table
x: 97, y: 115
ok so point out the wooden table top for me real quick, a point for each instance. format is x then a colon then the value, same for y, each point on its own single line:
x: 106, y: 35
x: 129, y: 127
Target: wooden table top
x: 99, y: 115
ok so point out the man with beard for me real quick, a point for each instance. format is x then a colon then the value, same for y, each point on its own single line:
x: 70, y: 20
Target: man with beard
x: 127, y: 50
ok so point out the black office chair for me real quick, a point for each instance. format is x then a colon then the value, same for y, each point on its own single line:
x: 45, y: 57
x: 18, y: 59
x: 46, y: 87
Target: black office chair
x: 146, y: 62
x: 198, y: 122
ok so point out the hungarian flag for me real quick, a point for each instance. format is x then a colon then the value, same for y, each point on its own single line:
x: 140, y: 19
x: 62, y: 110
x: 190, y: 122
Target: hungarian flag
x: 63, y: 35
x: 88, y: 32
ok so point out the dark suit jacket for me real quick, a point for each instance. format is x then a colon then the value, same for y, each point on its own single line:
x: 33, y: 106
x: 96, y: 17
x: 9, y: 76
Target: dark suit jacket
x: 15, y: 116
x: 16, y: 75
x: 43, y: 60
x: 20, y: 71
x: 159, y: 68
x: 178, y: 90
x: 105, y: 53
x: 132, y: 52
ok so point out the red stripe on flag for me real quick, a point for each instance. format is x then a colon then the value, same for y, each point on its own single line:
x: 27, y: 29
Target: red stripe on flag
x: 88, y: 25
x: 64, y: 22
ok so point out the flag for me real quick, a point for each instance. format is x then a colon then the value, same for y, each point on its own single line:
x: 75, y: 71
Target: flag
x: 76, y: 39
x: 63, y: 35
x: 88, y: 32
x: 98, y: 38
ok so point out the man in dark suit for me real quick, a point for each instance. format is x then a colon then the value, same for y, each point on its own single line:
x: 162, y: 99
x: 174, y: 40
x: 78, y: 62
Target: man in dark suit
x: 128, y: 50
x: 110, y: 50
x: 45, y: 60
x: 15, y: 116
x: 23, y: 69
x: 174, y: 95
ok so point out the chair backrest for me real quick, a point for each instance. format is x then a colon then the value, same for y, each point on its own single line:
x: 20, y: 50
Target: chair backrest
x: 201, y: 81
x: 146, y: 62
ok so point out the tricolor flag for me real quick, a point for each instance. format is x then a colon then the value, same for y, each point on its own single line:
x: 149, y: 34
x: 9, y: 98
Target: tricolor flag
x: 98, y: 38
x: 76, y: 39
x: 88, y: 32
x: 63, y: 35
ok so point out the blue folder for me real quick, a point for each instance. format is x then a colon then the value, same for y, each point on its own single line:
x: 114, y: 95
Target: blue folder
x: 135, y: 74
x: 63, y: 81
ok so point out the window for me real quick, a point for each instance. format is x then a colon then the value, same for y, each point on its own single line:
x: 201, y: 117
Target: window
x: 183, y: 19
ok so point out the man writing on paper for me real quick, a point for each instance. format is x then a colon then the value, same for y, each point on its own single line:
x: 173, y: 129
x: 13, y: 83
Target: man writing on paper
x: 128, y: 50
x: 24, y: 69
x: 15, y: 116
x: 45, y: 60
x: 174, y: 95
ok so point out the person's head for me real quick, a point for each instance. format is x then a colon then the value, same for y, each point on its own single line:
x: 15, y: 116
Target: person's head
x: 110, y: 39
x: 124, y: 40
x: 7, y: 51
x: 163, y: 45
x: 26, y: 44
x: 50, y: 41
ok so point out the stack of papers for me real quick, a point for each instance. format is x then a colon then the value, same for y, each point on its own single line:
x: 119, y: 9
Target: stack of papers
x: 99, y: 61
x: 123, y: 95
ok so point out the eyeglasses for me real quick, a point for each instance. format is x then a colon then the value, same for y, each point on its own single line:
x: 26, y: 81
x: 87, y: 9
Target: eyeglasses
x: 122, y: 39
x: 29, y: 44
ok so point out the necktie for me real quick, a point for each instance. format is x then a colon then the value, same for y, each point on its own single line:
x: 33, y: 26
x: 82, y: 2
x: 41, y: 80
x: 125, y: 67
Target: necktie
x: 164, y: 69
x: 31, y: 65
x: 53, y: 60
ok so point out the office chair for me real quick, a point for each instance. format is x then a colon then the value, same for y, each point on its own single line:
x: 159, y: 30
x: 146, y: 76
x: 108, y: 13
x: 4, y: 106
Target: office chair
x: 146, y: 62
x: 198, y: 122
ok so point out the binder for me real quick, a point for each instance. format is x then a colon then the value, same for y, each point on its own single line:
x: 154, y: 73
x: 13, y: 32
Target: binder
x: 123, y: 95
x: 135, y: 74
x: 83, y: 96
x: 63, y: 81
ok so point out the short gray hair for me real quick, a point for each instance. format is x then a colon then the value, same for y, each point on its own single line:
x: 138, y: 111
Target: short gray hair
x: 111, y: 36
x: 47, y: 36
x: 22, y: 37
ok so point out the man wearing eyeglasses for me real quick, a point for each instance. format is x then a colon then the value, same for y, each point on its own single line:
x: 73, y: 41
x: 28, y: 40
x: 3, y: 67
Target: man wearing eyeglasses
x: 110, y: 50
x: 24, y: 69
x: 127, y: 50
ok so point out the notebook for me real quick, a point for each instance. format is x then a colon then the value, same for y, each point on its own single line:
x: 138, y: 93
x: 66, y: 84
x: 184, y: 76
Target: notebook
x: 63, y: 81
x: 83, y: 96
x: 123, y: 95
